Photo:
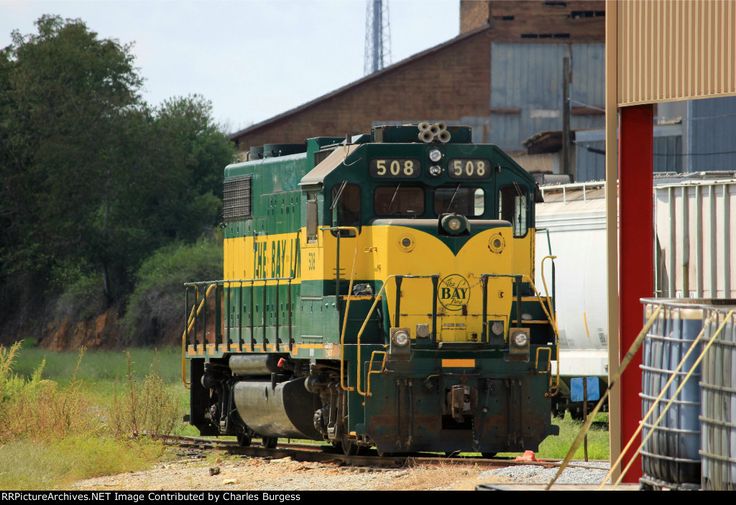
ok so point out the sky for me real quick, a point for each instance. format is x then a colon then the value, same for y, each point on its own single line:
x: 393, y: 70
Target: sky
x: 252, y: 59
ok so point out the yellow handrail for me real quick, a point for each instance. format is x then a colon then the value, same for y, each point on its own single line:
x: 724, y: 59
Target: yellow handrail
x: 362, y: 329
x: 190, y: 322
x: 553, y: 321
x: 374, y: 372
x: 347, y: 305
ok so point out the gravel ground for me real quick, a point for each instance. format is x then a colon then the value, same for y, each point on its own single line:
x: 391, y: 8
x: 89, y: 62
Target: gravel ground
x: 237, y: 473
x: 531, y: 474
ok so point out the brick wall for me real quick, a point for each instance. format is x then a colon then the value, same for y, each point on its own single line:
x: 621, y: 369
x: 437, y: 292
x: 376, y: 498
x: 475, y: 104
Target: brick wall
x: 473, y: 14
x: 447, y: 84
x: 450, y: 82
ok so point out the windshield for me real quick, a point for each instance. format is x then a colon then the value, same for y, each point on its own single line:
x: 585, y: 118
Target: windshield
x: 466, y: 201
x: 398, y: 201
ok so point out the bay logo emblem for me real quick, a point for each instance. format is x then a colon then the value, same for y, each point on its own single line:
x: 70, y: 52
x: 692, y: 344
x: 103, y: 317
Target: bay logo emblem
x: 453, y: 292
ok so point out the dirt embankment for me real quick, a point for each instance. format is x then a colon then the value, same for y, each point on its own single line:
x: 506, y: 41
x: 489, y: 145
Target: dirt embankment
x: 99, y: 331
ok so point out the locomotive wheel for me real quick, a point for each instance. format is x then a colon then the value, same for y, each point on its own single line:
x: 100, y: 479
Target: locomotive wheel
x: 244, y: 439
x: 488, y: 455
x: 269, y: 442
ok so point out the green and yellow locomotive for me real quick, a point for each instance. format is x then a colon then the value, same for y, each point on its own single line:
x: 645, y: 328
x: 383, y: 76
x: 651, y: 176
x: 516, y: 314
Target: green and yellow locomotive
x: 377, y: 291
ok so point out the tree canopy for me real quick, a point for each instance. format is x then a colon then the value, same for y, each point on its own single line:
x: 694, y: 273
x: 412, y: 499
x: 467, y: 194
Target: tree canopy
x: 94, y: 179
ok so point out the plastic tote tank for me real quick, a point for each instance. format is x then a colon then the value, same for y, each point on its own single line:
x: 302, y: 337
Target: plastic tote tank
x: 718, y: 390
x: 671, y: 458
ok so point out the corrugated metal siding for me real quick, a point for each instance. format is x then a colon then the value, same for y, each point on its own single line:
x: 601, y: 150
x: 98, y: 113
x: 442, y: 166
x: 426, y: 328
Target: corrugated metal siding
x: 528, y: 77
x: 591, y: 165
x: 696, y: 239
x: 675, y: 50
x: 712, y: 130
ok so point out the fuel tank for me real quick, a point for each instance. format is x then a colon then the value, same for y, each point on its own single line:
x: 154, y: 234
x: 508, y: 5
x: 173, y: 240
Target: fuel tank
x: 285, y: 409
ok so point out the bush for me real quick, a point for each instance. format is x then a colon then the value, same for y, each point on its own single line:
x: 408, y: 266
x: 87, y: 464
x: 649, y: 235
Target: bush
x: 82, y: 298
x: 147, y: 408
x: 154, y: 312
x: 38, y: 409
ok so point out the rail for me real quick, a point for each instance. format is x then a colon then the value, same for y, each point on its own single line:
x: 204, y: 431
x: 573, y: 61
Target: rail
x: 355, y: 230
x: 196, y: 328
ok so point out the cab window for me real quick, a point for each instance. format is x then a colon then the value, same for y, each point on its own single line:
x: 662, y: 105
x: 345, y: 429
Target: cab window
x: 512, y: 207
x: 469, y: 202
x: 312, y: 217
x: 398, y: 200
x: 346, y: 205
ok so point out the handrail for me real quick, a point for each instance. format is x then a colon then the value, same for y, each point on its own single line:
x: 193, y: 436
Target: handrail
x: 347, y: 304
x: 552, y: 315
x: 373, y: 307
x: 371, y: 371
x: 188, y: 328
x: 199, y: 306
x: 553, y: 322
x: 362, y: 329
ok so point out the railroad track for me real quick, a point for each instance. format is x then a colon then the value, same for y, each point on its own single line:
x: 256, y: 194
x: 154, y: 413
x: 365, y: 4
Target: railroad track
x: 327, y: 454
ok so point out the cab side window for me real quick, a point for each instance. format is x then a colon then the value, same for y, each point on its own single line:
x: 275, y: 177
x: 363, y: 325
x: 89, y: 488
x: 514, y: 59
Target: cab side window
x: 513, y: 207
x: 346, y: 200
x: 311, y: 215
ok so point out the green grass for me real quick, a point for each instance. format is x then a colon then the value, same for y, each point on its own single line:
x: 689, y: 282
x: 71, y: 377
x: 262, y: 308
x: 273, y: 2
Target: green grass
x: 95, y: 393
x: 557, y: 447
x: 101, y: 366
x: 26, y: 464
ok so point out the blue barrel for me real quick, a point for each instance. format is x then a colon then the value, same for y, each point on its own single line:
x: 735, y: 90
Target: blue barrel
x: 671, y: 457
x: 718, y: 386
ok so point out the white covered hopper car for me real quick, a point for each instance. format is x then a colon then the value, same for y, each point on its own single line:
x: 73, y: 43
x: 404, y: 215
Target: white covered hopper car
x: 695, y: 256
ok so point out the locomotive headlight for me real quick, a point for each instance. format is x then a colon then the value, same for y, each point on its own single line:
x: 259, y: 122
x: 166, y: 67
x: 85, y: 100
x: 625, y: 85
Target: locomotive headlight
x: 401, y: 338
x: 435, y: 170
x: 520, y: 339
x: 454, y: 224
x: 435, y: 155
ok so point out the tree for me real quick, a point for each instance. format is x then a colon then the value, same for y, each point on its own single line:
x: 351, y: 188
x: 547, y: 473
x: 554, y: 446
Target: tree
x: 93, y: 179
x: 64, y: 93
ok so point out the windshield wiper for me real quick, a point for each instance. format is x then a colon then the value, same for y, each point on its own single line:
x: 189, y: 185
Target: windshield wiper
x: 391, y: 203
x: 452, y: 200
x: 338, y: 195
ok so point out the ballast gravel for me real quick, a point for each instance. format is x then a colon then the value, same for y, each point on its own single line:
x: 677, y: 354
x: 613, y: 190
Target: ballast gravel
x: 591, y: 473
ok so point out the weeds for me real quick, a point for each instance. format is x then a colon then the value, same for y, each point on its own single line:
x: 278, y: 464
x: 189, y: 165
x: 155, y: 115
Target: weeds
x: 52, y: 433
x: 147, y: 408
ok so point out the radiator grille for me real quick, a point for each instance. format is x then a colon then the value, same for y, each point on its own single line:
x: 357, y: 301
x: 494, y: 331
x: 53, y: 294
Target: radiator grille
x: 237, y: 198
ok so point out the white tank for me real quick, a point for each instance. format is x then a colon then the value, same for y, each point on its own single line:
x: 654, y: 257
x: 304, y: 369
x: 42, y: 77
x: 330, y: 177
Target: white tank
x: 573, y: 221
x: 695, y: 255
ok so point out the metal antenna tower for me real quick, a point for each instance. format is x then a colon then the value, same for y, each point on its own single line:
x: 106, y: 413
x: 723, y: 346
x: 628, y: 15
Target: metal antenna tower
x: 377, y: 36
